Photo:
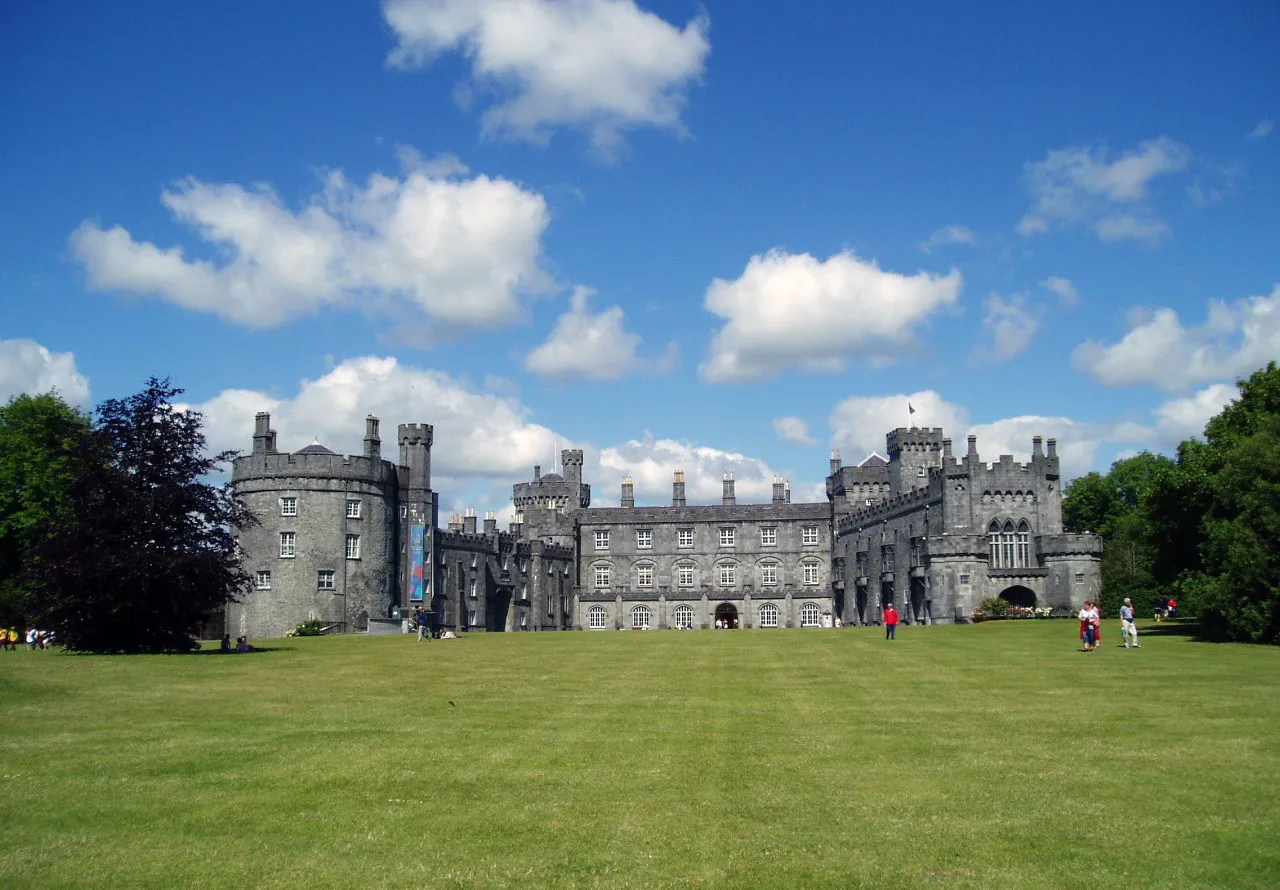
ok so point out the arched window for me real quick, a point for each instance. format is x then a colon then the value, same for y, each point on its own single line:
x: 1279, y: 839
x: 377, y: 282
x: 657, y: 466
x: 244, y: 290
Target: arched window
x: 768, y: 615
x: 810, y: 615
x: 1024, y: 544
x: 640, y: 618
x: 993, y: 535
x: 1007, y: 551
x: 684, y: 617
x: 596, y: 617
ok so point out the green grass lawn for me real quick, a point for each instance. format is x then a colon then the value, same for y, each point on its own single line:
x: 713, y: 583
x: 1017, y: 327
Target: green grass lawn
x: 993, y: 756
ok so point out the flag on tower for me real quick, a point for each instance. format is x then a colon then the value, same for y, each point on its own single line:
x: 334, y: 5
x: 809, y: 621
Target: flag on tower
x: 910, y: 410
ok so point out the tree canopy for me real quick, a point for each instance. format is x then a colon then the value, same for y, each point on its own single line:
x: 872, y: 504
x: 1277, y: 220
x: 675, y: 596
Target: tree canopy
x: 144, y: 551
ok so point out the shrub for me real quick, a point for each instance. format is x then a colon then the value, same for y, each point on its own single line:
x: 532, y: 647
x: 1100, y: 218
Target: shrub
x: 311, y: 628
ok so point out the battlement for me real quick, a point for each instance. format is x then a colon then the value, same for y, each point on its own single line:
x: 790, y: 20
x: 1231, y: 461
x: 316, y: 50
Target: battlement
x: 275, y: 465
x: 888, y: 508
x: 1004, y: 471
x: 416, y: 434
x: 571, y: 457
x: 913, y: 439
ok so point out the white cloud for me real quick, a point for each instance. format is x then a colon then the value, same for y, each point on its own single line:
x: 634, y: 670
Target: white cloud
x: 28, y: 367
x: 1068, y: 296
x: 1263, y: 129
x: 600, y: 65
x: 1011, y: 328
x: 1179, y: 419
x: 949, y: 235
x: 792, y: 429
x: 651, y: 462
x: 1078, y: 441
x: 1236, y: 339
x: 592, y: 346
x: 859, y: 423
x: 792, y: 311
x: 1080, y: 184
x: 461, y: 252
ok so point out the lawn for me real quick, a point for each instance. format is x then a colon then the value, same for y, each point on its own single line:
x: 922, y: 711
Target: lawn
x: 992, y: 756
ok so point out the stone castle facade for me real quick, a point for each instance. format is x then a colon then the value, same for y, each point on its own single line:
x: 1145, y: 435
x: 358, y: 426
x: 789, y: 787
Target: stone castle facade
x: 354, y: 542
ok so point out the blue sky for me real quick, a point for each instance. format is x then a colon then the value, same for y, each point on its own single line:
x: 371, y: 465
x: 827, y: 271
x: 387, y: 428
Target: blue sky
x: 709, y: 237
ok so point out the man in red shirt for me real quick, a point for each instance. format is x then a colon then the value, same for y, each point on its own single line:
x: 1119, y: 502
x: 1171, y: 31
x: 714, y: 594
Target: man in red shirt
x: 890, y: 622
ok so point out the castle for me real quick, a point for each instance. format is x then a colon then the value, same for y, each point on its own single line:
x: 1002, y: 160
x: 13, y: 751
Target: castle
x: 354, y: 542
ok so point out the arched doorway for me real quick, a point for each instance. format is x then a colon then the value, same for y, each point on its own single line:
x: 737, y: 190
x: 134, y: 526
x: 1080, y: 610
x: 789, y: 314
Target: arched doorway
x: 727, y: 615
x: 1019, y: 596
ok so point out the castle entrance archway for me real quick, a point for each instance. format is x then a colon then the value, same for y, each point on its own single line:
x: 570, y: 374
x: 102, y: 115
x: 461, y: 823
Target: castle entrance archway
x: 860, y: 603
x: 1019, y: 596
x: 727, y: 615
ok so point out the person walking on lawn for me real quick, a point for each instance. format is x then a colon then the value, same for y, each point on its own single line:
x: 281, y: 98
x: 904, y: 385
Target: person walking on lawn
x: 1128, y: 627
x: 890, y: 622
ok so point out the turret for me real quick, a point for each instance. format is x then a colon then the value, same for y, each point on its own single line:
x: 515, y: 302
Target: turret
x: 729, y: 498
x: 628, y: 492
x: 372, y: 443
x: 677, y: 489
x: 912, y: 453
x: 415, y: 453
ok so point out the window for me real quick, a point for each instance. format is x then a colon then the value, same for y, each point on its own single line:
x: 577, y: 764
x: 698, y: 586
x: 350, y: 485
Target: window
x: 810, y: 572
x: 809, y: 535
x: 353, y: 509
x: 551, y: 607
x: 769, y: 574
x: 644, y: 538
x: 1009, y: 549
x: 684, y: 576
x: 640, y: 618
x: 644, y: 576
x: 768, y: 615
x: 1024, y: 544
x: 353, y: 546
x: 1079, y: 577
x: 602, y: 540
x: 964, y: 580
x: 602, y: 576
x: 471, y: 617
x: 524, y: 592
x: 684, y: 537
x: 324, y: 580
x: 263, y: 580
x: 810, y: 616
x: 471, y: 589
x: 768, y: 537
x: 288, y: 541
x: 684, y: 617
x: 727, y: 536
x: 727, y: 576
x: 288, y: 506
x: 596, y: 616
x: 524, y: 619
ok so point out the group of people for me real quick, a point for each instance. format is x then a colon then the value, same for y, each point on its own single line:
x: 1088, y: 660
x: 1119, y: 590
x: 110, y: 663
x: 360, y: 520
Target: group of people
x: 241, y: 644
x: 1164, y: 610
x: 35, y: 638
x: 1091, y: 626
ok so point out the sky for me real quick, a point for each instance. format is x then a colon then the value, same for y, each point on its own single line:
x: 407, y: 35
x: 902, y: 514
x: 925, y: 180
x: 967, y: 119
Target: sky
x: 714, y: 237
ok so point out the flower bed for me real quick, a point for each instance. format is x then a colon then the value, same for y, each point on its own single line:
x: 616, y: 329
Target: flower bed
x: 999, y: 609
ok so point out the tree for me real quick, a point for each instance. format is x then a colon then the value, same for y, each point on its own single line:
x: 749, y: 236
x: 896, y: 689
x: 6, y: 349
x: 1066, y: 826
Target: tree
x: 40, y: 460
x: 146, y: 550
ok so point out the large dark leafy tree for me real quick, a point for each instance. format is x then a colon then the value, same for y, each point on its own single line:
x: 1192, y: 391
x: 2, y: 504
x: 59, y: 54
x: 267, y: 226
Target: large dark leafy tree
x: 40, y: 460
x: 146, y: 550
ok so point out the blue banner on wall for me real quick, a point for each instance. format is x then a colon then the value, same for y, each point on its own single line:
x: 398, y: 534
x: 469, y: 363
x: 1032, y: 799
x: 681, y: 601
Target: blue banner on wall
x: 417, y: 560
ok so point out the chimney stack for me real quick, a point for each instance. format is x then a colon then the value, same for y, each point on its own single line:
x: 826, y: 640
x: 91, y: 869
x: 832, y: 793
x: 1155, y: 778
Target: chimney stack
x: 779, y: 490
x: 517, y: 524
x: 261, y: 432
x: 1036, y: 450
x: 537, y: 472
x: 628, y: 492
x: 1053, y: 447
x: 372, y: 444
x: 455, y: 522
x: 946, y: 449
x: 490, y: 523
x: 972, y: 454
x: 836, y: 462
x: 469, y: 521
x: 787, y: 492
x: 729, y: 498
x: 677, y: 490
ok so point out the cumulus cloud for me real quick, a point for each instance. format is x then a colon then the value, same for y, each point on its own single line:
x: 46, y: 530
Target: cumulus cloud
x: 1011, y: 327
x: 459, y: 252
x: 948, y: 235
x: 1068, y: 296
x: 1080, y: 185
x: 859, y: 423
x: 1078, y: 441
x: 603, y: 66
x: 1263, y: 129
x: 1183, y: 418
x: 794, y: 312
x: 28, y: 367
x: 1235, y: 339
x: 792, y: 429
x: 651, y: 462
x: 592, y: 346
